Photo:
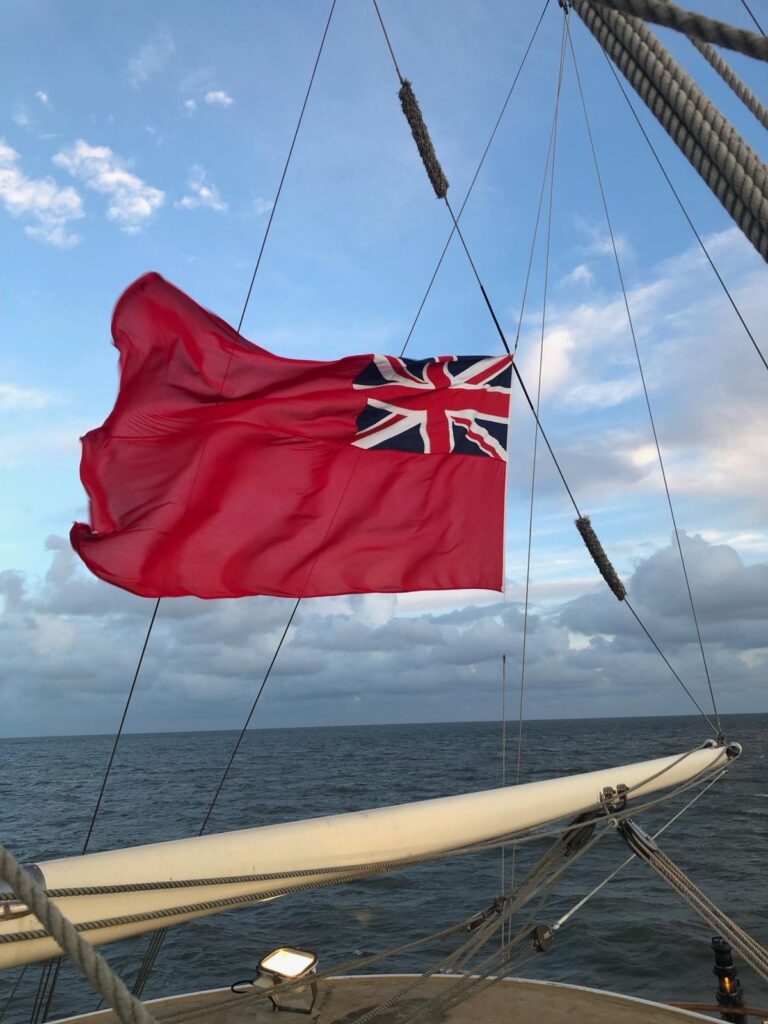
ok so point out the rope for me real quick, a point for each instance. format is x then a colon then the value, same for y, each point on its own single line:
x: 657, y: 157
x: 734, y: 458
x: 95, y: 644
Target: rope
x: 722, y: 159
x: 694, y: 25
x: 714, y: 133
x: 750, y: 949
x: 622, y: 594
x: 421, y: 137
x: 732, y: 80
x: 528, y: 399
x: 609, y: 878
x: 475, y: 176
x: 91, y: 963
x: 531, y: 504
x: 599, y: 557
x: 685, y: 213
x: 157, y: 940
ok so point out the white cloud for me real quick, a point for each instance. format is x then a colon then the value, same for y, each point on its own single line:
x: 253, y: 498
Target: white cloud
x: 151, y: 58
x: 132, y: 201
x: 218, y: 98
x: 41, y: 200
x: 261, y: 206
x: 43, y: 97
x: 22, y: 118
x: 189, y: 106
x: 579, y: 275
x: 203, y: 193
x: 13, y: 397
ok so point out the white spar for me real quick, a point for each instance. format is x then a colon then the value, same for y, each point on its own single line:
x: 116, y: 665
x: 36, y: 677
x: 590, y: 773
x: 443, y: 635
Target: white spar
x: 356, y: 838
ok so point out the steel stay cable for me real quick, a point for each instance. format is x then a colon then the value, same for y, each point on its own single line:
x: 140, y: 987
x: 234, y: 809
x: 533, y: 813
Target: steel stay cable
x: 532, y: 499
x: 567, y: 916
x: 685, y: 213
x: 562, y: 476
x: 528, y: 399
x: 636, y: 347
x: 157, y: 941
x: 477, y: 174
x: 47, y: 990
x: 747, y: 8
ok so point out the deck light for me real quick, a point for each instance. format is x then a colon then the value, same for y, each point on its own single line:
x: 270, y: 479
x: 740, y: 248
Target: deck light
x: 288, y: 964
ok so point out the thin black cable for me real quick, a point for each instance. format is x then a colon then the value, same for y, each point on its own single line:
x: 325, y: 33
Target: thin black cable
x: 642, y: 377
x: 9, y: 1000
x: 157, y: 940
x: 476, y: 175
x: 532, y: 501
x: 505, y: 343
x: 389, y: 44
x: 51, y: 988
x: 666, y: 661
x: 250, y: 716
x: 528, y: 399
x: 285, y: 168
x: 746, y: 7
x: 680, y: 203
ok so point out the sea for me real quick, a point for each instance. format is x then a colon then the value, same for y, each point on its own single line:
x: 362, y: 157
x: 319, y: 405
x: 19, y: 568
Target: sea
x: 635, y: 936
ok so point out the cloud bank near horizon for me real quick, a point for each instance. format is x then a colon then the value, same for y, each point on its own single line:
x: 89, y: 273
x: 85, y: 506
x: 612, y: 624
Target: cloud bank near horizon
x: 73, y: 642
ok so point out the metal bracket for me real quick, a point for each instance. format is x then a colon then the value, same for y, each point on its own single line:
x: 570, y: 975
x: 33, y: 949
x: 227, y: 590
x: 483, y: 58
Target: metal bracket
x: 10, y: 909
x: 634, y: 836
x: 614, y: 800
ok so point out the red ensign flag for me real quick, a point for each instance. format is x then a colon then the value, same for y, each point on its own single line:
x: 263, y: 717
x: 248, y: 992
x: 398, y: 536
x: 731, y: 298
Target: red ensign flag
x: 224, y: 470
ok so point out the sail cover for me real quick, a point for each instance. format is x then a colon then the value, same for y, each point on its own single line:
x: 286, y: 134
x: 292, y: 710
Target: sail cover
x: 224, y: 470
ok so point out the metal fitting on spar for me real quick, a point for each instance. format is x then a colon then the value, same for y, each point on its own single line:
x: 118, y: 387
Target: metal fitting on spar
x: 10, y: 909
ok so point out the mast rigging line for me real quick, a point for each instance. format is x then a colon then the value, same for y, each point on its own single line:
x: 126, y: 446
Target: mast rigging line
x: 641, y: 372
x: 694, y: 25
x: 685, y: 213
x: 475, y: 177
x: 156, y: 941
x: 527, y: 396
x: 729, y: 167
x: 523, y: 656
x: 747, y: 8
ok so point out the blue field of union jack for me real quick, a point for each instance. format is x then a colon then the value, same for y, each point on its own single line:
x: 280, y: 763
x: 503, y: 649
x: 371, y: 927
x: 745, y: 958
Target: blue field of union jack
x: 445, y: 405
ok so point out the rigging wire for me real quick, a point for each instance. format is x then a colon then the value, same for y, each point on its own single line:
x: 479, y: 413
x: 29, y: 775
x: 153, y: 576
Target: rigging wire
x: 642, y: 375
x: 532, y: 407
x: 687, y: 216
x: 158, y: 938
x: 42, y: 1006
x: 746, y: 7
x: 475, y: 176
x: 532, y: 500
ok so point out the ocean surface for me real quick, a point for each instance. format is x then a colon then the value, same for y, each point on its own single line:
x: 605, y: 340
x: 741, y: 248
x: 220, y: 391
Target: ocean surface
x: 636, y: 936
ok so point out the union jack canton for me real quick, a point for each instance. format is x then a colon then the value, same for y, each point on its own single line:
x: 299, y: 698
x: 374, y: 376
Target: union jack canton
x: 450, y: 404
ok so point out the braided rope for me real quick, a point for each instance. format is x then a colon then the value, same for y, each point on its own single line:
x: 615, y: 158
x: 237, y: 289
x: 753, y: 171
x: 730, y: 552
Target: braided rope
x: 694, y: 25
x: 729, y: 76
x: 678, y: 131
x: 713, y: 132
x: 718, y: 139
x: 92, y: 964
x: 750, y: 949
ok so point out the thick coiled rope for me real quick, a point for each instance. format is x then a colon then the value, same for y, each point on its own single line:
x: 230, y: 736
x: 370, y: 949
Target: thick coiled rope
x: 694, y: 25
x: 724, y: 161
x: 92, y: 964
x: 732, y: 80
x: 646, y: 849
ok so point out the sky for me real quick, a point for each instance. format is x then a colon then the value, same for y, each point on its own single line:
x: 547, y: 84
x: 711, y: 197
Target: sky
x: 152, y: 137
